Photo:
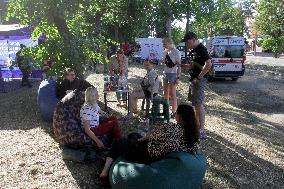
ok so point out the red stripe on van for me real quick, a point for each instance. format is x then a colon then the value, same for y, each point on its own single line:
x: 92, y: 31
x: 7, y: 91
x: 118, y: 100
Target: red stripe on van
x: 227, y: 61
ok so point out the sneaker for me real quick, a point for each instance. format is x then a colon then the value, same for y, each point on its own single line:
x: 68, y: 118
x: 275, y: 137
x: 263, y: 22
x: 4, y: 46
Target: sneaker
x: 203, y: 135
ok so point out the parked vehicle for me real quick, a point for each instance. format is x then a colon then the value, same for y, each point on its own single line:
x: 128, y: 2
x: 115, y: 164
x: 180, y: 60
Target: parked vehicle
x: 227, y: 55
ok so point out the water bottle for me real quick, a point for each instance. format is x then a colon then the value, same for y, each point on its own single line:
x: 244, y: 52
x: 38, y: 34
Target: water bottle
x: 124, y: 83
x: 106, y: 83
x: 147, y: 123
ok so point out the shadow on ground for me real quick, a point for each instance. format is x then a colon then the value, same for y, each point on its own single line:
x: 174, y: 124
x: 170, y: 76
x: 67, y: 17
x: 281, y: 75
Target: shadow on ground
x: 254, y: 94
x: 19, y: 109
x: 238, y: 167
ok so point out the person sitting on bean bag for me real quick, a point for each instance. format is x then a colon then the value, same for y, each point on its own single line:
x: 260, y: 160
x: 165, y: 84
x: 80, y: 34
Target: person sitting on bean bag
x: 90, y: 117
x: 183, y: 136
x: 67, y: 124
x: 70, y: 83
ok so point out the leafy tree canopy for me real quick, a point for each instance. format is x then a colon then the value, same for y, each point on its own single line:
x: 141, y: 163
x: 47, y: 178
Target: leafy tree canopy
x: 269, y: 23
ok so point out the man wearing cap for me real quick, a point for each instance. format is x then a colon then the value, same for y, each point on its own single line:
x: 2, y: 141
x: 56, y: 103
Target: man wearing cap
x: 199, y: 66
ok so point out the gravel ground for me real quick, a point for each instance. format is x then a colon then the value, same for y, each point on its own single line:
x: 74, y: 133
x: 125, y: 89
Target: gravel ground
x: 244, y: 149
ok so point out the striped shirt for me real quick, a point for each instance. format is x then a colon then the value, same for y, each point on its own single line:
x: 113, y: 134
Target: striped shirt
x: 91, y: 113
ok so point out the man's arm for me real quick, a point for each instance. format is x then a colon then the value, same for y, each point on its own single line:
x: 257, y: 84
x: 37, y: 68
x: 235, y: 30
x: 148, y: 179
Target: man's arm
x: 205, y: 69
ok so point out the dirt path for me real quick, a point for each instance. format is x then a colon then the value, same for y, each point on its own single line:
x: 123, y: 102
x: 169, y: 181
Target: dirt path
x: 246, y: 125
x: 244, y: 149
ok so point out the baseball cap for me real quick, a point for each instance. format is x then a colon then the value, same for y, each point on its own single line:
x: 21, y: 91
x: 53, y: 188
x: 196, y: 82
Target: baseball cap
x: 189, y: 35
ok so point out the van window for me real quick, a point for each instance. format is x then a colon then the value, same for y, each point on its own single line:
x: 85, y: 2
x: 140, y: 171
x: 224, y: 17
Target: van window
x: 181, y: 48
x: 237, y: 51
x: 225, y: 51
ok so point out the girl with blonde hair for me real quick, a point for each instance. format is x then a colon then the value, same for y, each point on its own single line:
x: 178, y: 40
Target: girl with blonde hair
x: 172, y: 70
x: 90, y: 118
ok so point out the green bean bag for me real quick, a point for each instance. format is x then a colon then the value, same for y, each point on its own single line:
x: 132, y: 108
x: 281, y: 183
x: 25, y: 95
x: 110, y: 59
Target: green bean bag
x: 177, y: 170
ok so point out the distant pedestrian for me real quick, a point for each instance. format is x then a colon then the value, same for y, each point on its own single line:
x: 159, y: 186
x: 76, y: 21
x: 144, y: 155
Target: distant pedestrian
x: 25, y: 66
x: 118, y: 67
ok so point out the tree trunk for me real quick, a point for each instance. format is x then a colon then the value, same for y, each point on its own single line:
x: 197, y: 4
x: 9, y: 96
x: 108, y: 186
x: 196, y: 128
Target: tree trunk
x: 187, y: 26
x: 60, y: 23
x: 168, y: 18
x: 116, y: 34
x: 169, y: 27
x: 211, y: 21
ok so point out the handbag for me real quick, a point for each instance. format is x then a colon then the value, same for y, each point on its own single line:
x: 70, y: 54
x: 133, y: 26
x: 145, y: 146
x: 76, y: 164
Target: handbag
x: 168, y: 61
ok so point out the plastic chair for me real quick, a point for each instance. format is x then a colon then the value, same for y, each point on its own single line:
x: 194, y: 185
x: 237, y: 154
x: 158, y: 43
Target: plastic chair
x: 156, y: 113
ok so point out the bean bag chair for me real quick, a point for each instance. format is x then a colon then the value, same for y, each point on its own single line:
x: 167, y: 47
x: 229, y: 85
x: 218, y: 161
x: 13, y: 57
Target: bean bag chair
x: 177, y: 170
x: 78, y: 155
x: 67, y: 126
x: 47, y: 99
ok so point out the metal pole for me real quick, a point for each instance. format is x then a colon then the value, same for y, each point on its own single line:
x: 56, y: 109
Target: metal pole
x: 187, y: 28
x: 255, y: 40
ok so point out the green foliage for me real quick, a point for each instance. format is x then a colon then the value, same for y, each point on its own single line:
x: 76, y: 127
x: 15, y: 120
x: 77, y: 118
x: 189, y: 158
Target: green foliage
x: 79, y: 32
x: 177, y: 35
x: 221, y: 17
x: 164, y: 11
x: 270, y: 24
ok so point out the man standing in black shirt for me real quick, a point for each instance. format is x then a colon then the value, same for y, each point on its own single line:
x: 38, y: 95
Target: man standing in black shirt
x: 199, y: 66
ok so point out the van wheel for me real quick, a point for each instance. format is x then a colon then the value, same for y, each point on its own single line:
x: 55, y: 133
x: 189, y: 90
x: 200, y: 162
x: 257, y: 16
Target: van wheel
x: 234, y: 78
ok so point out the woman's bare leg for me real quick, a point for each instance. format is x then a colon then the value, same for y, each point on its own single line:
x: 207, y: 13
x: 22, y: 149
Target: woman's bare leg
x: 106, y: 168
x: 173, y: 95
x: 166, y: 91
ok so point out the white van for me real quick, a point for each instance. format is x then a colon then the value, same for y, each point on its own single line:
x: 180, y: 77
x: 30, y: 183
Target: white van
x: 181, y: 48
x: 227, y: 55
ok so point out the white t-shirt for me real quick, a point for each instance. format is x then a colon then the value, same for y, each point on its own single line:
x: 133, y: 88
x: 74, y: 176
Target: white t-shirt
x: 175, y: 57
x: 91, y: 113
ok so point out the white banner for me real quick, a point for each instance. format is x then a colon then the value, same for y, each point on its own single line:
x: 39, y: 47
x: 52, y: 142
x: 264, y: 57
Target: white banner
x: 151, y: 48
